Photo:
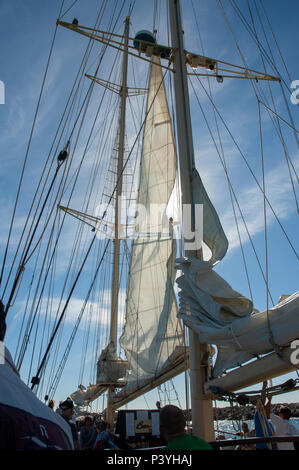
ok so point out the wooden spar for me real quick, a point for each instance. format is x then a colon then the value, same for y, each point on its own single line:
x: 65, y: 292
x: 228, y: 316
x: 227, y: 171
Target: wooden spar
x: 116, y: 243
x: 180, y: 364
x: 194, y: 60
x: 202, y: 410
x: 265, y: 368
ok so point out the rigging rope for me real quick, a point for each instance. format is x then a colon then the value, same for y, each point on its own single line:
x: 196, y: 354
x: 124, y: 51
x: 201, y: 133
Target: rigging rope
x: 274, y: 37
x: 45, y: 201
x: 89, y: 137
x: 223, y: 159
x: 86, y: 54
x: 27, y: 339
x: 232, y: 192
x: 251, y: 171
x: 279, y: 131
x: 42, y: 364
x: 221, y: 146
x: 272, y: 341
x: 26, y: 256
x: 28, y: 146
x: 262, y: 50
x: 264, y: 421
x: 282, y: 82
x: 70, y: 7
x: 286, y: 122
x: 53, y: 386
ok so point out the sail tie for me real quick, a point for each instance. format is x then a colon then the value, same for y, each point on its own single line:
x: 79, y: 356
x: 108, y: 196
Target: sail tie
x: 235, y: 338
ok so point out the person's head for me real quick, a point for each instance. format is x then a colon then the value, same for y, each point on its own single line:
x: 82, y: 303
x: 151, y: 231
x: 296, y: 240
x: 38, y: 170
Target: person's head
x: 245, y: 427
x: 285, y: 412
x: 172, y: 422
x: 102, y: 425
x: 88, y: 422
x: 67, y: 408
x: 51, y: 404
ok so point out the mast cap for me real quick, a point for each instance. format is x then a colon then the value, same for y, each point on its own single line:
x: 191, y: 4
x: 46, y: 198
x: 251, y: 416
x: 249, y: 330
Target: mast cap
x: 144, y: 35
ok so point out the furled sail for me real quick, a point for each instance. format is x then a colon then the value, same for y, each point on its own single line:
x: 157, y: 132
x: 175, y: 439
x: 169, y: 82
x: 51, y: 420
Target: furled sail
x: 222, y: 316
x: 152, y: 330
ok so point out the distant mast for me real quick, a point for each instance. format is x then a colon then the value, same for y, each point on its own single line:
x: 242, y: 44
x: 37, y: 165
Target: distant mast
x: 202, y: 411
x: 116, y: 244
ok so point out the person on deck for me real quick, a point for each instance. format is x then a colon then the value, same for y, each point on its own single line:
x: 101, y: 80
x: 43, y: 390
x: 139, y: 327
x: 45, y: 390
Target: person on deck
x: 262, y: 428
x: 172, y: 428
x: 51, y: 404
x: 104, y: 438
x: 87, y: 434
x: 245, y: 430
x: 67, y: 411
x: 245, y: 433
x: 282, y: 425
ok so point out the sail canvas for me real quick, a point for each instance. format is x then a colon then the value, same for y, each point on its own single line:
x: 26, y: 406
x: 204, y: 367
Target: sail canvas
x: 152, y: 330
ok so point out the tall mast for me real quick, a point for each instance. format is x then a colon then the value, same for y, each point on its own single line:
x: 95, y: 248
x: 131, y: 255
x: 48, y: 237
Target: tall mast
x: 121, y: 143
x: 116, y: 244
x: 202, y: 411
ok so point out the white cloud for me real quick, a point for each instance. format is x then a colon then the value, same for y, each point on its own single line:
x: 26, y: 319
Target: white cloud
x: 279, y: 193
x: 95, y: 312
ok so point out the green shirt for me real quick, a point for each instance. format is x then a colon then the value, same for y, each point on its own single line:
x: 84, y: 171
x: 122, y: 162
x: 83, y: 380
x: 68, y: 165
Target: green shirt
x: 188, y: 442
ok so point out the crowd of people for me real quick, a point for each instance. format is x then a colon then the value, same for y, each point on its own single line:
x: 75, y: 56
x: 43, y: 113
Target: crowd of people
x: 28, y: 424
x: 92, y: 435
x: 97, y: 436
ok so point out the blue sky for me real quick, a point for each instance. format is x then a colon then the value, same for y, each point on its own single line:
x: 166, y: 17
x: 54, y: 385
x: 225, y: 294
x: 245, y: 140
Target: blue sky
x: 26, y: 34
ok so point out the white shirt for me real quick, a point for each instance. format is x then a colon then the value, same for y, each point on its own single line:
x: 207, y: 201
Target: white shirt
x: 283, y: 428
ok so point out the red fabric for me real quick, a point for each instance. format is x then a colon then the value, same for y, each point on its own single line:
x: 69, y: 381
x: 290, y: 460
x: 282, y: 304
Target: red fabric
x: 99, y: 445
x: 22, y: 431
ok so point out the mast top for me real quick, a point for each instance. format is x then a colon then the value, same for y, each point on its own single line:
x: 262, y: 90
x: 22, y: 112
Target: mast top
x: 146, y: 44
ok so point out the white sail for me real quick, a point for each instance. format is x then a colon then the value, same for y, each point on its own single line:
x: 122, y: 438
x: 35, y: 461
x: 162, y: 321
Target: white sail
x: 152, y: 330
x: 213, y: 234
x: 222, y: 316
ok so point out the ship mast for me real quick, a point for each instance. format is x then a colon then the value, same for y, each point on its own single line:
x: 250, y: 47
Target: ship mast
x: 202, y: 411
x: 116, y: 243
